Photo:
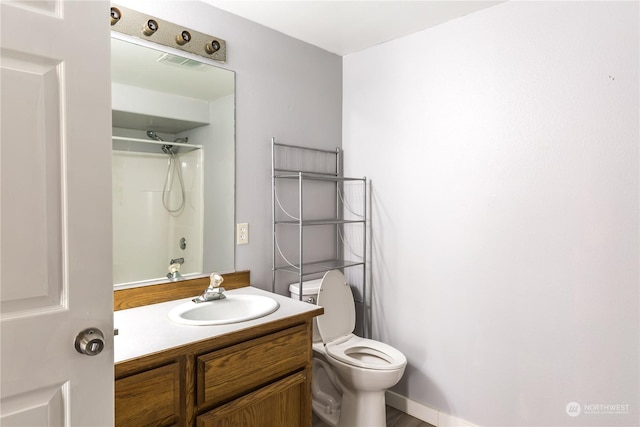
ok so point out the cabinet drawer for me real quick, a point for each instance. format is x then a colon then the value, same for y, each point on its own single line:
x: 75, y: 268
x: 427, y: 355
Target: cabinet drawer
x: 234, y: 370
x: 149, y: 398
x: 278, y: 404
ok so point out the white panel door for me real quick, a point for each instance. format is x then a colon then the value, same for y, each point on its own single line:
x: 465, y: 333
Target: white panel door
x: 55, y: 212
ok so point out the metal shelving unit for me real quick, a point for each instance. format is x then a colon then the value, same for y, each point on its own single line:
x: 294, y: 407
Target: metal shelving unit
x: 304, y: 166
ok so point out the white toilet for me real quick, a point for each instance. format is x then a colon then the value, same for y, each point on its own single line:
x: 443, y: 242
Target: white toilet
x: 350, y: 374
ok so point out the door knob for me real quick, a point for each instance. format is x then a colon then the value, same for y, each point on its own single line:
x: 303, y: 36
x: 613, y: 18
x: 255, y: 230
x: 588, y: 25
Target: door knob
x: 90, y: 342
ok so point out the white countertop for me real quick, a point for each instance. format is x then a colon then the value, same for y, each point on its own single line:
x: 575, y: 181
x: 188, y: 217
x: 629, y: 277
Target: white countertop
x: 145, y: 330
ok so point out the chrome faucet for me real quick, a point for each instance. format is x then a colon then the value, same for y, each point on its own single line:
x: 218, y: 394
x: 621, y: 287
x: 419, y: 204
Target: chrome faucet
x: 214, y: 291
x: 174, y: 275
x: 174, y: 269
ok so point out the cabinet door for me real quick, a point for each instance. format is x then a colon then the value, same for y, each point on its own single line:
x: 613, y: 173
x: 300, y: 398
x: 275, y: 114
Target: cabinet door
x: 279, y: 404
x: 150, y: 398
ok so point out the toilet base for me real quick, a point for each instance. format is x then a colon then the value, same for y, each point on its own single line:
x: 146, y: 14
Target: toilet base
x: 363, y: 409
x: 327, y: 415
x: 325, y: 390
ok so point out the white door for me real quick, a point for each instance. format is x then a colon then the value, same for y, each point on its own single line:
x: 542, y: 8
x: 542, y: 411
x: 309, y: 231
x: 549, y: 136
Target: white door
x: 55, y: 212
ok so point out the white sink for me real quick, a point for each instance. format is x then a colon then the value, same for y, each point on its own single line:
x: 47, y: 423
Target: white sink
x: 232, y: 309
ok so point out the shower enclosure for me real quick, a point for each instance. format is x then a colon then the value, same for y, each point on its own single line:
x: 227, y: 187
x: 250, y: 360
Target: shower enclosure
x: 157, y: 206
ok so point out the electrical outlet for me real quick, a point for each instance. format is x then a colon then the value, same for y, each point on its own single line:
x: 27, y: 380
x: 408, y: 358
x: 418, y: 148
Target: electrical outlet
x: 242, y: 233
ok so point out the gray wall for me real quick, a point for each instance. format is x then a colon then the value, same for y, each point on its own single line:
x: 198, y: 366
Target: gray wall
x: 503, y: 153
x: 284, y: 88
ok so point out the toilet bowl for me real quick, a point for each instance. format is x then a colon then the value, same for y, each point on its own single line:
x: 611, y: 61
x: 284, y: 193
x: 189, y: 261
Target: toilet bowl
x: 350, y: 373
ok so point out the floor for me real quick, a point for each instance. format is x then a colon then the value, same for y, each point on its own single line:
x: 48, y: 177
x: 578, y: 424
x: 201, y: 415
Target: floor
x: 395, y: 418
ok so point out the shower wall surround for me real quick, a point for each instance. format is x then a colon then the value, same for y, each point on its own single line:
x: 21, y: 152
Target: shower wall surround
x: 149, y: 236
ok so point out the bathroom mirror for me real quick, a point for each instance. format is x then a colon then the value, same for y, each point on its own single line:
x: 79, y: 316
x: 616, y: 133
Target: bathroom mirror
x: 173, y: 164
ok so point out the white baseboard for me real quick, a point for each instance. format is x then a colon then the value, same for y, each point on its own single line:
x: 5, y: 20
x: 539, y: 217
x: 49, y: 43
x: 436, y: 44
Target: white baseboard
x: 424, y: 413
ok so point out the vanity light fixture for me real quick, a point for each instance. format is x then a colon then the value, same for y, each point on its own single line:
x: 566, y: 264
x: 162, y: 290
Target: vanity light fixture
x: 150, y: 27
x: 115, y: 15
x: 212, y: 47
x: 183, y: 38
x: 130, y: 22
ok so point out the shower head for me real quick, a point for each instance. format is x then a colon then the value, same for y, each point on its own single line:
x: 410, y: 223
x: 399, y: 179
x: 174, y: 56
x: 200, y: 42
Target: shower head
x: 151, y: 134
x: 167, y: 149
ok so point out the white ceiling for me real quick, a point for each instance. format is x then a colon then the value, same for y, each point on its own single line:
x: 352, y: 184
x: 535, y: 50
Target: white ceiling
x: 345, y: 27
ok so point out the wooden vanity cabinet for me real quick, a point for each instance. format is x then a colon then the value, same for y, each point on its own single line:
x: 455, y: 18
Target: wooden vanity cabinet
x: 153, y: 397
x: 255, y: 377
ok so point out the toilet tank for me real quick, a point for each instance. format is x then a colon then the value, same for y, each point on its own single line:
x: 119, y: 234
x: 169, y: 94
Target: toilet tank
x: 310, y: 289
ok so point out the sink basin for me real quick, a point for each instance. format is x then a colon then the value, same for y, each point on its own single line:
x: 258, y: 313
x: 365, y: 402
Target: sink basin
x: 232, y: 309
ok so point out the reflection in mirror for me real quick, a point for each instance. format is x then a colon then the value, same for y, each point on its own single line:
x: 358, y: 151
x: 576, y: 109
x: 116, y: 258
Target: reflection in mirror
x: 173, y: 165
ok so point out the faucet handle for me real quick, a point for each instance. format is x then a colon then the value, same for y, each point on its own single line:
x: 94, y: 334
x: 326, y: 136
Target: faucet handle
x: 215, y: 280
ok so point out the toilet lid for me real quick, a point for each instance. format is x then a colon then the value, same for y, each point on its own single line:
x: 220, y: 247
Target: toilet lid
x: 339, y: 318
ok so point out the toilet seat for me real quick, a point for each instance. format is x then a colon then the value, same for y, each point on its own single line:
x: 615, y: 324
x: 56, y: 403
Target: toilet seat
x: 336, y: 327
x: 366, y: 353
